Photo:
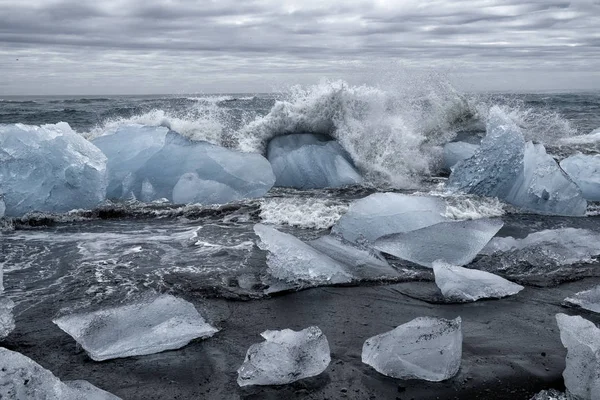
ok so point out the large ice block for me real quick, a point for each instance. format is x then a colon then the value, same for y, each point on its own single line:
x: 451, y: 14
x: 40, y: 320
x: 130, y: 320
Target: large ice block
x: 308, y: 161
x: 49, y: 168
x: 182, y: 170
x: 382, y: 214
x: 517, y: 172
x: 455, y: 152
x: 292, y: 260
x: 22, y: 378
x: 456, y: 242
x: 148, y: 327
x: 464, y: 284
x: 424, y: 348
x: 284, y: 357
x: 584, y: 170
x: 587, y: 299
x: 582, y: 372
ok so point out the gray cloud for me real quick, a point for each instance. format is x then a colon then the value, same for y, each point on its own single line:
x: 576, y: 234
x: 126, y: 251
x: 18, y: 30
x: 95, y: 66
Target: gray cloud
x: 186, y: 45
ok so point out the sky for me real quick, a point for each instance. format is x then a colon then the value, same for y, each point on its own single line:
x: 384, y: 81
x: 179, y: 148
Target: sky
x: 201, y: 46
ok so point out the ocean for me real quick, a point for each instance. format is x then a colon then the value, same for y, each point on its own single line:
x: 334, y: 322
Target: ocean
x: 87, y: 259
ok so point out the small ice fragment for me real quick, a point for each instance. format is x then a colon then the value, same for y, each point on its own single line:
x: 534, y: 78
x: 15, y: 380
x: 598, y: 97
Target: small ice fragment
x: 23, y: 378
x: 464, y: 284
x: 7, y: 320
x: 307, y: 161
x: 551, y: 394
x: 424, y: 348
x: 582, y: 341
x: 588, y: 299
x: 284, y: 357
x: 584, y: 170
x: 292, y: 260
x: 385, y: 213
x: 456, y: 242
x: 164, y: 323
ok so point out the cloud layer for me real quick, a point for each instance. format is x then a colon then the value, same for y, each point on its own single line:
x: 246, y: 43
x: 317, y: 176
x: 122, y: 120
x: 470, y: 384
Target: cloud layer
x: 145, y: 46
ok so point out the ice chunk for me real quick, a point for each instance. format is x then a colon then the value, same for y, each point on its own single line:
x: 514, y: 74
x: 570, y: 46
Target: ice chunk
x: 585, y: 172
x: 517, y: 172
x: 588, y: 299
x: 23, y: 378
x: 164, y: 323
x: 127, y: 150
x: 582, y: 372
x: 456, y: 242
x: 284, y: 357
x: 49, y: 168
x: 464, y: 284
x: 457, y: 151
x: 551, y: 394
x: 292, y: 260
x: 385, y: 213
x: 362, y: 262
x: 195, y: 169
x: 424, y: 348
x: 7, y: 321
x: 307, y: 161
x: 589, y: 138
x: 544, y: 188
x: 2, y: 206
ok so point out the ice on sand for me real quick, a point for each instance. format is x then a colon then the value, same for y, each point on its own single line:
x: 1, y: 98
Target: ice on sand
x: 284, y: 357
x: 424, y: 348
x: 456, y: 242
x: 23, y: 378
x: 171, y: 166
x: 457, y: 151
x: 307, y: 161
x: 163, y: 323
x: 49, y: 168
x: 517, y: 172
x: 382, y: 214
x: 582, y: 341
x: 588, y: 299
x: 584, y: 170
x: 464, y: 284
x: 292, y: 260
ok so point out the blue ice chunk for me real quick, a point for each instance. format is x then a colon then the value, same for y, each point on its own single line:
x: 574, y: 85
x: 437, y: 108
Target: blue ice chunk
x: 584, y: 170
x: 455, y: 152
x: 307, y: 161
x: 49, y: 168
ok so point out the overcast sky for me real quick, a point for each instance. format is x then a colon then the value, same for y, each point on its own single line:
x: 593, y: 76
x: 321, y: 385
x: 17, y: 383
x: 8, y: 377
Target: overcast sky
x: 181, y: 46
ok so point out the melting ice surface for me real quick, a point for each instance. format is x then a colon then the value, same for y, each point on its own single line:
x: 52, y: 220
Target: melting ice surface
x: 464, y: 284
x: 165, y: 323
x: 424, y: 348
x: 23, y: 378
x: 588, y: 299
x: 584, y: 170
x: 582, y: 372
x: 284, y: 357
x: 517, y: 172
x: 49, y: 168
x: 385, y: 213
x: 168, y: 165
x: 307, y: 161
x: 457, y: 151
x: 455, y: 242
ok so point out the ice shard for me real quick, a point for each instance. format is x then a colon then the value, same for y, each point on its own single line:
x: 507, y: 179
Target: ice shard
x: 456, y: 242
x: 424, y: 348
x: 517, y: 172
x: 455, y: 152
x: 582, y: 372
x: 382, y: 214
x: 49, y: 168
x: 147, y: 327
x: 464, y: 284
x: 292, y: 260
x: 588, y: 299
x: 308, y: 161
x: 584, y: 170
x: 23, y: 378
x: 285, y: 357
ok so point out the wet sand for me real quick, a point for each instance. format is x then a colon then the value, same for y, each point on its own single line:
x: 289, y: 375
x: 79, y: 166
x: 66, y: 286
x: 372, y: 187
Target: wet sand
x: 511, y: 347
